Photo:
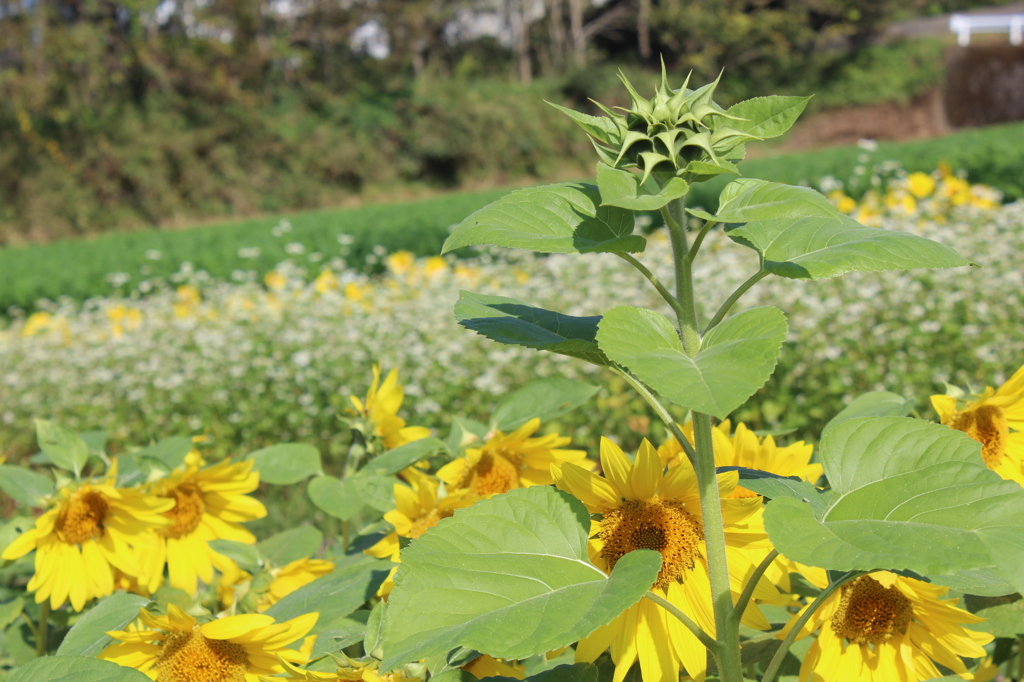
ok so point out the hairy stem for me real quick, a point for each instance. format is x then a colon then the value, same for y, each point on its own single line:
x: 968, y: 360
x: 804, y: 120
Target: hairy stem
x: 699, y: 239
x: 748, y: 589
x: 42, y: 635
x: 705, y: 639
x: 729, y: 662
x: 653, y: 279
x: 653, y: 401
x: 743, y: 288
x: 684, y: 280
x: 776, y: 662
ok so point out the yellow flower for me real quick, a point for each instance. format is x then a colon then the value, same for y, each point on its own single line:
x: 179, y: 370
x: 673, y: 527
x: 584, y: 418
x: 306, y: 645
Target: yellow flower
x: 417, y: 510
x: 366, y: 672
x: 507, y: 462
x: 956, y: 190
x: 883, y: 627
x: 400, y: 262
x: 354, y: 292
x: 488, y: 666
x: 275, y: 281
x: 435, y: 265
x: 208, y: 504
x: 988, y: 420
x: 666, y: 506
x: 325, y: 281
x: 176, y: 648
x: 291, y: 577
x: 36, y: 323
x: 188, y: 300
x: 85, y: 536
x: 842, y: 202
x: 921, y: 185
x: 381, y: 409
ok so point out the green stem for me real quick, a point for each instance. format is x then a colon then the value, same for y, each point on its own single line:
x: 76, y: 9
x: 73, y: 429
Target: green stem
x: 653, y: 279
x: 748, y: 590
x: 776, y: 662
x: 699, y: 239
x: 724, y: 310
x: 653, y: 401
x: 705, y: 639
x: 729, y: 662
x: 41, y: 632
x: 684, y: 280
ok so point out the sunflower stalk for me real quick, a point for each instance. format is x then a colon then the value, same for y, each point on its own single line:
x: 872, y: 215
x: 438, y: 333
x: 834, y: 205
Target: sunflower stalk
x: 42, y: 634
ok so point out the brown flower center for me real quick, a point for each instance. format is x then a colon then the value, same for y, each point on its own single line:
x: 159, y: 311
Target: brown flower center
x: 495, y: 473
x: 187, y: 513
x: 987, y: 425
x: 192, y: 657
x: 871, y: 614
x: 428, y: 521
x: 82, y: 517
x: 664, y: 527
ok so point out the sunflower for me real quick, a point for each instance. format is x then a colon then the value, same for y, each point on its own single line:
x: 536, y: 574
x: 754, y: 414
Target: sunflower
x: 381, y: 409
x: 208, y: 504
x: 176, y: 648
x: 353, y: 672
x: 506, y: 462
x: 417, y: 509
x: 883, y: 627
x: 291, y: 577
x: 988, y: 420
x: 87, y: 536
x: 643, y: 507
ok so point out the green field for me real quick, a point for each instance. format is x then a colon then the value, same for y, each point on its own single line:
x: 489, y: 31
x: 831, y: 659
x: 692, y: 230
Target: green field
x: 80, y: 268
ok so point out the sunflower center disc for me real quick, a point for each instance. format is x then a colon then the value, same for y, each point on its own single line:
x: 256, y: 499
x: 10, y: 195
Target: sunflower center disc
x: 82, y: 517
x: 987, y: 425
x: 493, y: 474
x: 871, y: 614
x: 187, y: 513
x: 426, y: 522
x: 191, y: 657
x: 664, y: 527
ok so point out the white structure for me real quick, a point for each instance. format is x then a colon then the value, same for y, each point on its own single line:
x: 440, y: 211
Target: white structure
x: 963, y: 25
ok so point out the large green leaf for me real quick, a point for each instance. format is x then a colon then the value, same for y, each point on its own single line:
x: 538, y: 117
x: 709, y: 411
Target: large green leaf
x: 75, y: 669
x: 765, y: 117
x: 624, y: 189
x: 63, y: 447
x: 906, y: 494
x: 981, y: 581
x: 24, y: 485
x: 874, y: 404
x: 286, y: 463
x: 509, y: 321
x: 1004, y: 616
x: 89, y: 635
x: 564, y: 218
x: 337, y: 498
x: 735, y: 359
x: 393, y: 461
x: 800, y: 235
x: 544, y: 399
x: 509, y: 577
x: 168, y: 454
x: 290, y: 545
x: 334, y: 595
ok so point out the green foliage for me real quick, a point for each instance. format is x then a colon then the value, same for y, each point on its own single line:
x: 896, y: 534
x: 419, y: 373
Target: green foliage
x: 290, y: 545
x: 522, y: 586
x: 286, y: 463
x: 800, y: 235
x: 546, y: 399
x: 572, y: 219
x: 75, y: 669
x: 25, y: 485
x: 64, y: 448
x: 88, y: 637
x: 735, y: 358
x: 1004, y: 615
x: 874, y: 404
x: 893, y: 504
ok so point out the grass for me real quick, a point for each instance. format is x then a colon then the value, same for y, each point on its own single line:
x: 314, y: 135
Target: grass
x: 80, y: 269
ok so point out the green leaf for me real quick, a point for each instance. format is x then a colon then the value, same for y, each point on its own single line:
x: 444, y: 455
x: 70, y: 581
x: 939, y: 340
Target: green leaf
x: 10, y: 531
x: 75, y: 669
x: 544, y: 399
x: 89, y: 636
x: 906, y: 494
x: 800, y: 235
x: 286, y: 463
x: 773, y: 487
x: 378, y: 492
x: 980, y: 581
x: 64, y: 448
x: 96, y: 441
x: 565, y: 218
x: 512, y: 322
x: 624, y: 189
x: 9, y: 611
x: 334, y: 497
x: 766, y: 117
x: 735, y: 359
x: 169, y: 453
x: 600, y: 128
x: 334, y: 595
x: 24, y: 485
x: 579, y: 672
x: 393, y: 461
x: 522, y: 584
x: 373, y: 640
x: 246, y: 556
x: 875, y: 404
x: 1004, y: 616
x: 290, y: 545
x: 343, y: 632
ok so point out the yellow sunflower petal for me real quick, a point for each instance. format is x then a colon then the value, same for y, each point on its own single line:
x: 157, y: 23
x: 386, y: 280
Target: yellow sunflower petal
x: 647, y: 472
x: 617, y: 468
x: 235, y: 627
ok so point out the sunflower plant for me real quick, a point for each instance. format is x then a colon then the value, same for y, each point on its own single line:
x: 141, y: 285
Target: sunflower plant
x: 667, y: 557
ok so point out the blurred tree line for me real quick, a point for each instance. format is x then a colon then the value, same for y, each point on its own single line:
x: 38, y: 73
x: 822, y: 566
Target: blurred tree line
x: 118, y: 113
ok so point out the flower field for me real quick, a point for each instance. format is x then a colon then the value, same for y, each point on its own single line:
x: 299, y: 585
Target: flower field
x: 316, y: 473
